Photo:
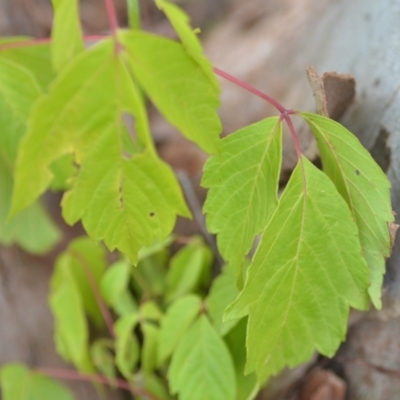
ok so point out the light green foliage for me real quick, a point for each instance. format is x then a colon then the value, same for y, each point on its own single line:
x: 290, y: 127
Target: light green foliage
x: 365, y: 188
x: 126, y: 344
x: 243, y: 183
x: 307, y: 271
x: 101, y: 353
x: 33, y: 229
x: 201, y: 366
x: 180, y: 89
x: 247, y: 385
x: 36, y: 59
x: 19, y: 383
x: 180, y: 314
x: 188, y: 268
x: 155, y: 385
x: 124, y: 197
x: 223, y: 291
x: 114, y: 288
x: 18, y: 91
x: 150, y: 347
x: 74, y: 285
x: 150, y: 311
x: 134, y: 13
x: 66, y: 33
x: 85, y: 260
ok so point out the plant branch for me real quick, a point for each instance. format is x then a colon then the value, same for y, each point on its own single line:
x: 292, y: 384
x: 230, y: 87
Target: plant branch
x: 96, y: 292
x: 251, y: 89
x: 113, y: 21
x: 79, y: 376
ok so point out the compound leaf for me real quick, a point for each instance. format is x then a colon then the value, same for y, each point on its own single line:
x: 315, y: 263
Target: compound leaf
x: 180, y: 314
x: 124, y: 194
x: 66, y: 33
x: 180, y: 89
x: 307, y: 271
x: 364, y: 186
x: 19, y: 383
x: 201, y: 366
x: 243, y: 186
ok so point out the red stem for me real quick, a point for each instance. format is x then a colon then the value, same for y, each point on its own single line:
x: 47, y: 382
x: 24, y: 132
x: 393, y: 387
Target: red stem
x: 112, y: 19
x: 285, y: 114
x: 79, y: 376
x: 251, y: 89
x: 96, y: 292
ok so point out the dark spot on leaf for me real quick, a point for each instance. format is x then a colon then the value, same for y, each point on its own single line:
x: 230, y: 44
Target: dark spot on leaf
x: 152, y: 214
x: 127, y: 155
x: 357, y: 172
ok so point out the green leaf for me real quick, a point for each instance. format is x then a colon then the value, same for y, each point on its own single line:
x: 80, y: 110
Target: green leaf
x: 201, y: 366
x: 247, y: 385
x: 153, y: 384
x: 307, y: 271
x: 149, y: 277
x: 150, y: 347
x: 34, y: 58
x: 66, y: 33
x: 149, y: 310
x: 365, y: 188
x: 101, y: 352
x: 71, y: 332
x: 223, y: 291
x: 114, y: 287
x: 180, y: 89
x: 180, y: 22
x: 126, y: 344
x: 18, y: 91
x: 63, y: 169
x: 134, y: 13
x: 126, y: 199
x: 187, y: 267
x: 19, y: 383
x: 243, y: 186
x: 86, y: 261
x: 180, y: 314
x: 155, y: 247
x: 32, y: 229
